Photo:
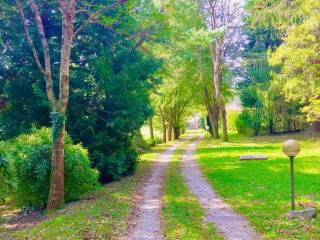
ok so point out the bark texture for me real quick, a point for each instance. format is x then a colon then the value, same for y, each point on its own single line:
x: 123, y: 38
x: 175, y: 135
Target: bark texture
x: 176, y: 133
x: 211, y: 107
x: 216, y: 53
x: 56, y: 193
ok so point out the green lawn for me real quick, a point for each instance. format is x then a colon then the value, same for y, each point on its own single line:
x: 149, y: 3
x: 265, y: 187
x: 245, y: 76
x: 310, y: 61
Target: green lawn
x: 101, y: 215
x: 182, y: 213
x: 260, y: 190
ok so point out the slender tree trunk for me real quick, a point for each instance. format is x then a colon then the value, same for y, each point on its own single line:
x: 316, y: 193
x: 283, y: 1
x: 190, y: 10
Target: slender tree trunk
x: 56, y: 193
x: 170, y: 124
x: 217, y: 87
x: 213, y: 116
x: 164, y: 127
x: 151, y: 131
x: 211, y: 112
x: 215, y: 109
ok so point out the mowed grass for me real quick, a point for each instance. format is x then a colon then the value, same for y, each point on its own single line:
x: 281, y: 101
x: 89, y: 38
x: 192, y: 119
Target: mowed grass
x: 260, y: 190
x: 103, y: 214
x: 182, y: 214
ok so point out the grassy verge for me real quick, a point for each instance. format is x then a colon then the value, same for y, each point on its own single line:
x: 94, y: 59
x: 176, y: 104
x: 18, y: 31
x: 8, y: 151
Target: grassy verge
x: 100, y: 215
x: 182, y: 213
x: 260, y: 190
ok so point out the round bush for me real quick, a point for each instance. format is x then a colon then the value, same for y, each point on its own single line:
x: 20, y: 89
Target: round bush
x: 31, y: 157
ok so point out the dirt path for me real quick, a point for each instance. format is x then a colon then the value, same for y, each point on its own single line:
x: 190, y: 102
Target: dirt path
x: 231, y: 225
x: 146, y: 224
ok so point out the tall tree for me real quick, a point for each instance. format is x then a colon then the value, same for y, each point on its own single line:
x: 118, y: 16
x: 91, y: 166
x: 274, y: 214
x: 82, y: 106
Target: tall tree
x: 224, y: 15
x: 281, y: 58
x: 67, y: 9
x: 298, y: 56
x: 209, y: 101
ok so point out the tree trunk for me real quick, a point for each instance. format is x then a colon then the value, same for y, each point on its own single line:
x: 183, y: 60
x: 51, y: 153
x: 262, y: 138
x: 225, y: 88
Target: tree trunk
x: 217, y: 87
x: 164, y: 127
x: 151, y: 132
x: 176, y: 133
x: 215, y: 110
x: 56, y: 193
x: 270, y: 126
x: 224, y: 124
x: 213, y: 116
x: 170, y: 124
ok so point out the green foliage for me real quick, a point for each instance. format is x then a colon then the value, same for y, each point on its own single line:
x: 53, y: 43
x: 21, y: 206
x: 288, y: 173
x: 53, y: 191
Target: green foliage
x: 58, y: 123
x: 233, y: 117
x: 105, y: 214
x: 31, y: 158
x: 298, y: 57
x: 7, y: 180
x: 295, y: 56
x: 182, y: 89
x: 312, y: 110
x: 282, y: 74
x: 115, y: 106
x: 121, y: 163
x: 110, y: 80
x: 250, y: 122
x: 141, y: 144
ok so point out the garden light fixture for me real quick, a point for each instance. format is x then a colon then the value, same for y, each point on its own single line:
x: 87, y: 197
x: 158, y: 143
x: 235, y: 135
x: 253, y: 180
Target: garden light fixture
x: 291, y: 148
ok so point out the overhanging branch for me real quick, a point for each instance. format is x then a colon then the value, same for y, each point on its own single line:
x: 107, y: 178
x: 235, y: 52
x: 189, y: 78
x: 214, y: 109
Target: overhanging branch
x: 93, y: 16
x: 46, y: 70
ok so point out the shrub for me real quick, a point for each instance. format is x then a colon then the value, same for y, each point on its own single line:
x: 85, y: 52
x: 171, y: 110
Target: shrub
x: 233, y: 116
x: 121, y: 163
x: 31, y: 157
x: 7, y: 180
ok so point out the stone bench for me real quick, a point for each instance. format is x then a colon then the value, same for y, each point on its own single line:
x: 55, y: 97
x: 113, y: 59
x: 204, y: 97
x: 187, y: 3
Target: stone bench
x: 253, y: 157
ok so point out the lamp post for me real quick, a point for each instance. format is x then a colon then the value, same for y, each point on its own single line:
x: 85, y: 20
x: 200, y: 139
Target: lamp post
x: 291, y: 148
